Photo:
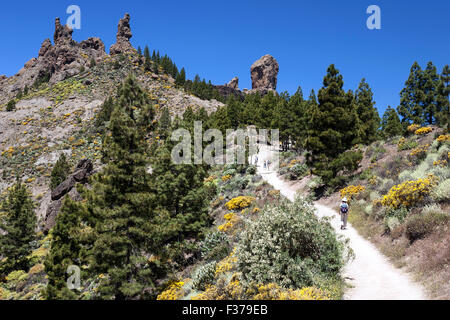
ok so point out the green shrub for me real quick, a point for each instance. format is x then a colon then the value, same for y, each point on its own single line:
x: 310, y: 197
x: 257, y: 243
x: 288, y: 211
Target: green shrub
x: 204, y: 276
x: 420, y: 225
x: 299, y: 170
x: 215, y: 246
x: 11, y: 105
x: 251, y: 169
x: 60, y: 172
x: 289, y: 245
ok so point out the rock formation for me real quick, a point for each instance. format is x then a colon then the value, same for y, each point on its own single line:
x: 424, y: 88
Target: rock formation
x: 57, y: 61
x: 234, y: 83
x: 124, y: 35
x: 231, y: 88
x: 83, y: 170
x: 264, y: 74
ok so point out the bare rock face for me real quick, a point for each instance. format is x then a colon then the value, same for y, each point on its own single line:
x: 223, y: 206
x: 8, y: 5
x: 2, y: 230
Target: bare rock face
x: 264, y: 74
x: 124, y: 35
x: 63, y: 34
x: 234, y: 83
x: 56, y: 62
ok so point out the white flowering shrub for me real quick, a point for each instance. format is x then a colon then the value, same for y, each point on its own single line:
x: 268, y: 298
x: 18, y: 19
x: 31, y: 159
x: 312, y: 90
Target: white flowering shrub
x: 442, y: 192
x: 204, y: 276
x: 289, y: 245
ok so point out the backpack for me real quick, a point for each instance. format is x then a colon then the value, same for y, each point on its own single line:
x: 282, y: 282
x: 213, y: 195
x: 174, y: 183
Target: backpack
x: 344, y: 208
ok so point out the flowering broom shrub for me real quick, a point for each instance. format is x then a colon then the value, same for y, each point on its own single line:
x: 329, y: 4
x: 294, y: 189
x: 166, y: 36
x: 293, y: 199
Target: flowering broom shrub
x: 272, y: 291
x: 409, y: 193
x: 423, y: 130
x: 239, y: 202
x: 413, y: 127
x: 351, y: 191
x: 174, y: 291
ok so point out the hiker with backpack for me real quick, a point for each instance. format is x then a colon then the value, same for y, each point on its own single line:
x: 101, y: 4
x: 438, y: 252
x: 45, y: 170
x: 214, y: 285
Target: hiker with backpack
x: 344, y: 213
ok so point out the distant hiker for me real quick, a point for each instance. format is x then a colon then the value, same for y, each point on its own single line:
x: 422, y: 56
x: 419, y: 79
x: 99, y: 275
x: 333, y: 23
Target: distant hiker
x: 268, y: 164
x: 344, y: 213
x: 256, y: 160
x: 265, y: 164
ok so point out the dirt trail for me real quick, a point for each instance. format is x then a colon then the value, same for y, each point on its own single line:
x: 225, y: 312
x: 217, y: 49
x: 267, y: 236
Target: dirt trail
x: 370, y: 274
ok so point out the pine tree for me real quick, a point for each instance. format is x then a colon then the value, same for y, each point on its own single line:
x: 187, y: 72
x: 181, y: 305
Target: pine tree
x: 367, y: 113
x: 390, y: 124
x: 333, y: 128
x: 122, y: 207
x: 67, y: 248
x: 443, y: 115
x: 282, y: 119
x: 431, y: 84
x: 412, y: 97
x: 60, y: 171
x: 139, y: 51
x: 164, y: 123
x: 147, y: 59
x: 18, y: 224
x: 181, y: 78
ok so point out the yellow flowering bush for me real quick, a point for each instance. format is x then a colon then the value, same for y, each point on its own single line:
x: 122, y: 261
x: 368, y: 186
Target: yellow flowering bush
x: 240, y: 202
x: 232, y: 220
x: 423, y: 130
x: 174, y: 291
x: 413, y: 127
x: 223, y: 290
x: 274, y: 193
x: 351, y: 191
x: 419, y: 152
x: 210, y: 179
x: 441, y: 163
x: 409, y: 193
x: 226, y: 177
x: 443, y: 138
x: 272, y: 291
x: 227, y: 264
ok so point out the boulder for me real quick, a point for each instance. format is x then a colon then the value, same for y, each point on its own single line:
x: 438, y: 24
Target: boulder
x: 64, y: 188
x: 264, y: 73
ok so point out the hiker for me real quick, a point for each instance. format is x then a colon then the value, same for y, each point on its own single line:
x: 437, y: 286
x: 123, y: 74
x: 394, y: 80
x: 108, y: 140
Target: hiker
x: 268, y: 164
x: 344, y: 213
x: 256, y: 160
x: 265, y: 164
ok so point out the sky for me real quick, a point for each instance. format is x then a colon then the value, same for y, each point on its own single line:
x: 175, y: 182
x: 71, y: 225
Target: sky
x: 221, y: 39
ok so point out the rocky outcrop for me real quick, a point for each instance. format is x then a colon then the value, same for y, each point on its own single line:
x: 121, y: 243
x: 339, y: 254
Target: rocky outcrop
x: 264, y: 73
x: 124, y: 35
x: 62, y: 35
x: 57, y: 61
x: 231, y: 88
x: 82, y: 172
x: 233, y: 84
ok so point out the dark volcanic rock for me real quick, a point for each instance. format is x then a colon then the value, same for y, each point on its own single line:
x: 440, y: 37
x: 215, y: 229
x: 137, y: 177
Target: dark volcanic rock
x: 264, y: 73
x: 63, y: 189
x: 81, y: 174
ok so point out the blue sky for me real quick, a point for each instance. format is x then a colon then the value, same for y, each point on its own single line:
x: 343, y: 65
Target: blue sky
x: 221, y: 39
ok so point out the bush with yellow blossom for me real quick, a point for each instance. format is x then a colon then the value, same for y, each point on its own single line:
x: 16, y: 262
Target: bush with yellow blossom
x: 409, y: 193
x: 351, y: 191
x: 240, y: 202
x: 423, y: 131
x: 174, y: 291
